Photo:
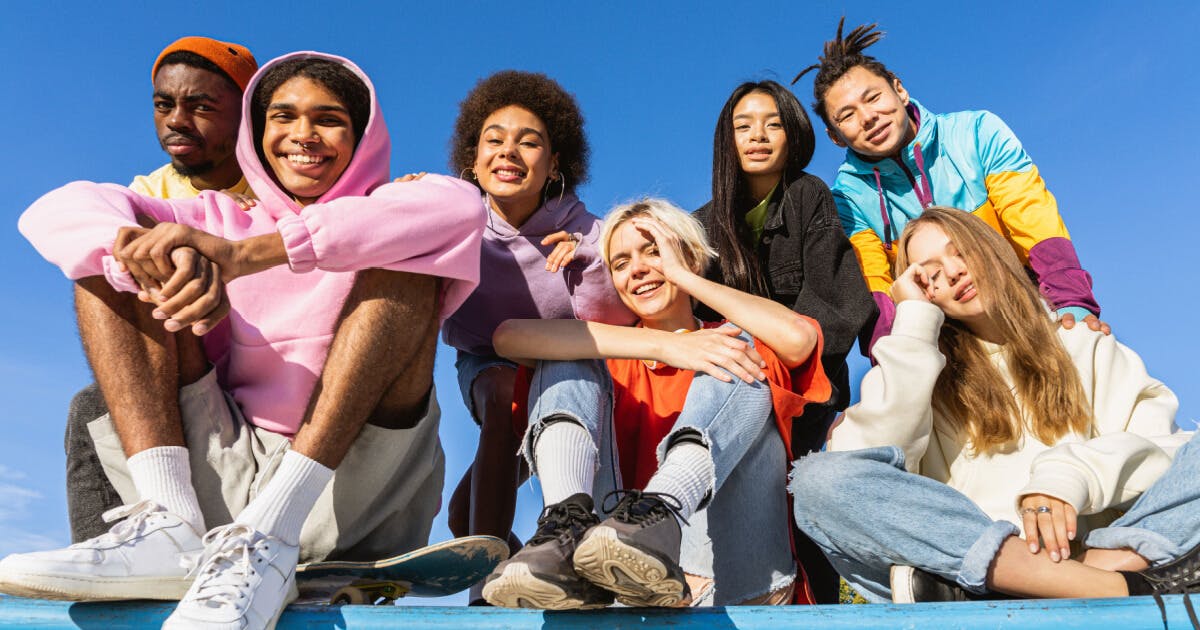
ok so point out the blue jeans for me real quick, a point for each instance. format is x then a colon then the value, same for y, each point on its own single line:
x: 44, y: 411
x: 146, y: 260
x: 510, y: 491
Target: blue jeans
x: 867, y: 513
x: 740, y: 538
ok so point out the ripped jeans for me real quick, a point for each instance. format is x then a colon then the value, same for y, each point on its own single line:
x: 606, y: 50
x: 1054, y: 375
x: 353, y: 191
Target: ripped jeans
x: 740, y: 539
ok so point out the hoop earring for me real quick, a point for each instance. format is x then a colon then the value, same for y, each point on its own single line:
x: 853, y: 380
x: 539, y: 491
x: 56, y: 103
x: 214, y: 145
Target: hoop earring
x: 464, y: 172
x: 562, y: 183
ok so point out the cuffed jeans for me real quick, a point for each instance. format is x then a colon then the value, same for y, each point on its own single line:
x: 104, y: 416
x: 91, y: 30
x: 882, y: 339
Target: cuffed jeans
x: 740, y: 538
x: 867, y: 513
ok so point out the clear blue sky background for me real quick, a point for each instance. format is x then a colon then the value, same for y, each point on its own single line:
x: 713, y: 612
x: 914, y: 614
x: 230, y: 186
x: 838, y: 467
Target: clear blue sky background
x: 1103, y: 97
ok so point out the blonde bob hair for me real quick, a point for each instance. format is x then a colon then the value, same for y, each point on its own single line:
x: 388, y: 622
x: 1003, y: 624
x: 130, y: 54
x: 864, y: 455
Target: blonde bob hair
x: 970, y: 391
x: 697, y: 253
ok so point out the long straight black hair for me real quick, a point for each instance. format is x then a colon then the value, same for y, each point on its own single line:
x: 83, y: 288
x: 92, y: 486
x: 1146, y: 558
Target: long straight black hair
x: 731, y: 192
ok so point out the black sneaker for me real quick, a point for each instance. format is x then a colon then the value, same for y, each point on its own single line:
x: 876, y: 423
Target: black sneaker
x: 635, y: 552
x: 911, y: 585
x: 1180, y: 576
x: 540, y: 575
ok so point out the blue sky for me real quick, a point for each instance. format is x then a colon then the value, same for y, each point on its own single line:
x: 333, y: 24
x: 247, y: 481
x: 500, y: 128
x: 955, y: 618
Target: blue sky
x: 1103, y: 97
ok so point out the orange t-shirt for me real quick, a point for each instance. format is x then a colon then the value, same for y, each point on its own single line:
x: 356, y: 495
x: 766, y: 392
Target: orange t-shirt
x: 647, y: 402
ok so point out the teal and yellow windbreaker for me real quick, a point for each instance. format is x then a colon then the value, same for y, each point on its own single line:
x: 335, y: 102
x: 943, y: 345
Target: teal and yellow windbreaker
x: 969, y: 160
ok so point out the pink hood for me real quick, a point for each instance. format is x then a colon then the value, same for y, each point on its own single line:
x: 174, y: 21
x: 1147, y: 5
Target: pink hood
x: 368, y: 169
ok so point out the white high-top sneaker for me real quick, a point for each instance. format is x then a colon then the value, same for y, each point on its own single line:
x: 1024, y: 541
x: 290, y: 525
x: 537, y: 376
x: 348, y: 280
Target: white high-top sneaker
x: 245, y: 580
x: 146, y: 556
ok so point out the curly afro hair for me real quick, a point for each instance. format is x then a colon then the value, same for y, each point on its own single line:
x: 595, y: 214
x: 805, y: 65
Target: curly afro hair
x: 537, y: 93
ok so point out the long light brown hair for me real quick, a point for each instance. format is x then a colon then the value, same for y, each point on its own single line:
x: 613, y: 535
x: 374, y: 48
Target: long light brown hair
x: 970, y: 390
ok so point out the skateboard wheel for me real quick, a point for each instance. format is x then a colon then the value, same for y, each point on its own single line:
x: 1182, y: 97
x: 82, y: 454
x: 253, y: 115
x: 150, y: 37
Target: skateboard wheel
x: 350, y: 595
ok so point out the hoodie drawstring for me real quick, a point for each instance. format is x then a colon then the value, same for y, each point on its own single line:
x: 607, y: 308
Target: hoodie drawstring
x: 887, y: 223
x: 924, y: 187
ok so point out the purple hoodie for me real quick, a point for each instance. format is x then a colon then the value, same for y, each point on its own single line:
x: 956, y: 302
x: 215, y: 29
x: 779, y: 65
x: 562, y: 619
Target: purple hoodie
x: 283, y: 318
x: 514, y: 283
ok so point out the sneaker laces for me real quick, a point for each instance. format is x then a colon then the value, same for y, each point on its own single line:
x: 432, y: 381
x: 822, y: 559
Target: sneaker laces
x: 563, y: 519
x: 1179, y: 581
x: 134, y: 515
x: 227, y: 565
x: 638, y: 507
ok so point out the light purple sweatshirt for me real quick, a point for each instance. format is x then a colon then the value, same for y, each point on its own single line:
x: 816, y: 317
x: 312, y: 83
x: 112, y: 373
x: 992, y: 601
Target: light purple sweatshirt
x: 283, y: 318
x: 514, y: 283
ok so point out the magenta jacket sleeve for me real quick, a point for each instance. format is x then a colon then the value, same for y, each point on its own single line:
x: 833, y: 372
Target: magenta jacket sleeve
x: 74, y: 227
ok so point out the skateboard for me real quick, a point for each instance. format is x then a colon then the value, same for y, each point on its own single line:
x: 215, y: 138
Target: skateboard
x: 441, y: 569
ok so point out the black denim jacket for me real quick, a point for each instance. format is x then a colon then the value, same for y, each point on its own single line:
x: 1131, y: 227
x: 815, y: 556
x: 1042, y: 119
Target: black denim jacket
x: 811, y: 268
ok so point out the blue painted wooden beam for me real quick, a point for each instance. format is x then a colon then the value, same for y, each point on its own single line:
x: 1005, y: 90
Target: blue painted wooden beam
x: 1131, y: 613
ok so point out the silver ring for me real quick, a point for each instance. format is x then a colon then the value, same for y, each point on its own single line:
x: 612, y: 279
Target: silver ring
x: 1025, y: 511
x: 1045, y: 509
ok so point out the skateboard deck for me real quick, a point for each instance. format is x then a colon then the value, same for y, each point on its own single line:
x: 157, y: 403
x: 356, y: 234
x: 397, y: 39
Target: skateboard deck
x: 437, y: 570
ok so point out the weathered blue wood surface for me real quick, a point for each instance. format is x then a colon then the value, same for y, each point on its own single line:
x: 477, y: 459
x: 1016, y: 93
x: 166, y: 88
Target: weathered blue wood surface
x: 1121, y: 614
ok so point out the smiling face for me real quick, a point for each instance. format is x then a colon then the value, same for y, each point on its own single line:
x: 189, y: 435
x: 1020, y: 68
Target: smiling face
x: 633, y: 258
x: 513, y: 160
x: 759, y: 137
x: 951, y: 286
x: 868, y: 114
x: 196, y: 115
x: 308, y: 138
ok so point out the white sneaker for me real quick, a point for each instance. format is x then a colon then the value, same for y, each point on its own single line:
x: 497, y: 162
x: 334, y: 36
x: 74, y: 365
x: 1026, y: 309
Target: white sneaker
x: 245, y: 580
x: 146, y: 556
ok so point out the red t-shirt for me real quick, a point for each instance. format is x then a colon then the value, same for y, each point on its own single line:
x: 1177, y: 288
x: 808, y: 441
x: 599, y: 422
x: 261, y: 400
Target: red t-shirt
x: 647, y: 402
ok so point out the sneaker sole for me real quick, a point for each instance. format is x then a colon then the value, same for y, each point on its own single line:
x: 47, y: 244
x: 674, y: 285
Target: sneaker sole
x: 639, y: 579
x: 81, y: 589
x: 517, y: 587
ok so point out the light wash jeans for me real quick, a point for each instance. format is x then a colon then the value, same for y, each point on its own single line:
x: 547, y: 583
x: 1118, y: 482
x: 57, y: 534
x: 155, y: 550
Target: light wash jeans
x: 868, y: 513
x: 740, y: 538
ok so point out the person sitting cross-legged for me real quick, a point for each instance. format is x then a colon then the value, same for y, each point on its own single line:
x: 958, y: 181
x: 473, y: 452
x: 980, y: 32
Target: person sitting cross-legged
x: 1002, y: 445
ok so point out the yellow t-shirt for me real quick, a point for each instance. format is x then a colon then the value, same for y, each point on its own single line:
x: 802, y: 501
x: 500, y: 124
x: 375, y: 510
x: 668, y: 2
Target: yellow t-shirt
x: 167, y: 183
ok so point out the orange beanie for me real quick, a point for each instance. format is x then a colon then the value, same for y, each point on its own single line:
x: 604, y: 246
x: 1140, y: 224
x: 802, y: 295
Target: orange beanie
x: 235, y: 60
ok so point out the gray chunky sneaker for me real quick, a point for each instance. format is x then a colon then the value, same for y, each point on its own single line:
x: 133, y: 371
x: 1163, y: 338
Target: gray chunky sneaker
x: 635, y: 552
x: 540, y: 575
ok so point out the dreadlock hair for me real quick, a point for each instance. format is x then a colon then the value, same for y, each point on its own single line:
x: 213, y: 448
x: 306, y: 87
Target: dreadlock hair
x: 970, y: 391
x: 841, y: 55
x: 731, y: 191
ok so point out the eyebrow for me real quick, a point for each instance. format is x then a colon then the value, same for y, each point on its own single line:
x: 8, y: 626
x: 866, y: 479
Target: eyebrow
x: 522, y: 131
x: 320, y: 108
x: 945, y: 249
x: 190, y: 98
x: 769, y: 115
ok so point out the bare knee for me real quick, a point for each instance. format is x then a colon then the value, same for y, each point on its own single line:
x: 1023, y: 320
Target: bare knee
x: 492, y: 395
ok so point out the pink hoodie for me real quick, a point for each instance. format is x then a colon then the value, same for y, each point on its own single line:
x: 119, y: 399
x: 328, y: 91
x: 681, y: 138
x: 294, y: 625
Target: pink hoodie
x: 283, y: 318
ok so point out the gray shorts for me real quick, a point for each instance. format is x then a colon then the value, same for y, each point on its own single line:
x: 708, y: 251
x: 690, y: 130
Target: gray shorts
x: 381, y: 501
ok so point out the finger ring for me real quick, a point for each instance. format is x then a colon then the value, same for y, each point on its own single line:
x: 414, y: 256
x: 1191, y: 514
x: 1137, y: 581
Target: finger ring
x: 1045, y: 509
x: 1027, y: 511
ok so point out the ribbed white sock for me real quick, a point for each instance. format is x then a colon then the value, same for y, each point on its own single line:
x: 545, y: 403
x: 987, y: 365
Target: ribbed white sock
x: 686, y: 474
x: 163, y: 475
x: 566, y: 461
x: 281, y: 508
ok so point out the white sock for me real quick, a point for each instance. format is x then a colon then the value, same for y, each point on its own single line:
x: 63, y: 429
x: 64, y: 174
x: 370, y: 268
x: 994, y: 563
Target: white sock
x: 162, y: 474
x: 686, y: 474
x: 566, y: 461
x: 282, y: 507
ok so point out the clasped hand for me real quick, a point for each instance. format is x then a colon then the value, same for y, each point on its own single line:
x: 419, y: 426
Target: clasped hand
x: 178, y: 271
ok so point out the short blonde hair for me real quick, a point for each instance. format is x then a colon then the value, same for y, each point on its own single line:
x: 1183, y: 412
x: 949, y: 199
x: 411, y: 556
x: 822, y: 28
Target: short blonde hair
x: 697, y: 253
